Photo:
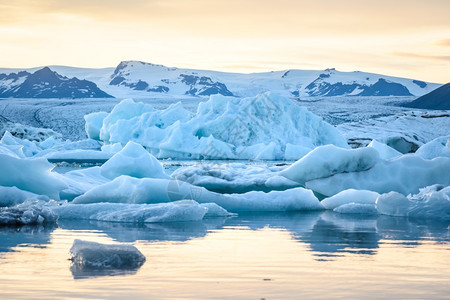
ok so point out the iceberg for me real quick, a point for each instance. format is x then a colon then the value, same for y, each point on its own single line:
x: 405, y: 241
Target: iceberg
x: 92, y: 255
x: 10, y: 196
x: 384, y: 150
x: 178, y: 211
x: 234, y: 177
x: 435, y: 148
x: 80, y: 181
x: 350, y: 196
x: 33, y: 175
x: 405, y: 175
x: 356, y: 208
x: 133, y: 160
x: 27, y: 148
x: 263, y: 127
x: 431, y: 202
x: 94, y: 123
x: 125, y: 189
x: 328, y: 160
x: 31, y: 212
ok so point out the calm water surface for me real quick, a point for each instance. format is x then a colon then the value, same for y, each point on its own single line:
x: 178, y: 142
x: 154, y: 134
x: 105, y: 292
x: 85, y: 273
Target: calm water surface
x: 253, y: 256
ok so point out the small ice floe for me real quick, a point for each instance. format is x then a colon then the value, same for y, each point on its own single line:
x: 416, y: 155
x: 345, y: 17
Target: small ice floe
x: 88, y: 258
x: 31, y: 212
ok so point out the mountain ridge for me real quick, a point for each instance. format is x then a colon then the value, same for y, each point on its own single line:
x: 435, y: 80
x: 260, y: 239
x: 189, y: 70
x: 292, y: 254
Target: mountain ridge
x: 140, y: 79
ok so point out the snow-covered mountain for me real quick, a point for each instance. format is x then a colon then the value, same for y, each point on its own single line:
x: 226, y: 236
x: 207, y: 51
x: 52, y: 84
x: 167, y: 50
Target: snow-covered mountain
x: 45, y: 83
x: 142, y: 80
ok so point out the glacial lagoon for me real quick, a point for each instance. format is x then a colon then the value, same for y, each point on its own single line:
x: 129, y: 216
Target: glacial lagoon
x: 291, y: 255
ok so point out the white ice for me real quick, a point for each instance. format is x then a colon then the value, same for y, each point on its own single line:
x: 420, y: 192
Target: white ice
x: 11, y: 195
x: 92, y: 255
x: 125, y: 189
x: 234, y: 177
x: 405, y: 174
x: 356, y: 208
x: 350, y: 196
x: 33, y: 175
x: 30, y: 212
x: 261, y: 127
x: 325, y: 161
x: 178, y: 211
x: 133, y: 160
x: 384, y: 150
x: 431, y: 202
x: 435, y: 148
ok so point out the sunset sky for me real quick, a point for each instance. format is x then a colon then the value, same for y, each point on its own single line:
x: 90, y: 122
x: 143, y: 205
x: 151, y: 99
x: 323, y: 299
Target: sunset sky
x: 407, y: 38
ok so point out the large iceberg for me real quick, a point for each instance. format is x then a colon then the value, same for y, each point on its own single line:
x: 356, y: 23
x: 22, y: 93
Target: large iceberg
x: 405, y: 174
x: 263, y: 127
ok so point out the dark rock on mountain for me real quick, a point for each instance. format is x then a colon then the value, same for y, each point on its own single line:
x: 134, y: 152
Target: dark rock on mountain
x: 204, y: 86
x: 45, y: 83
x: 437, y: 99
x: 382, y: 87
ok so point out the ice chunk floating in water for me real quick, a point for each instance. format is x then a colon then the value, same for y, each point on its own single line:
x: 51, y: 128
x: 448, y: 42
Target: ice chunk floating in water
x: 178, y: 211
x: 234, y: 177
x: 33, y: 175
x: 263, y: 127
x: 431, y: 202
x: 328, y: 160
x: 405, y: 174
x: 91, y: 255
x: 28, y: 213
x: 125, y: 189
x: 135, y: 161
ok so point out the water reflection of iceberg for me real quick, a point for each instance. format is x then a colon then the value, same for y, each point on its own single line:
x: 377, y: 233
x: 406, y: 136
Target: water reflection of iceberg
x: 12, y: 236
x: 149, y: 232
x: 330, y: 234
x: 335, y: 234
